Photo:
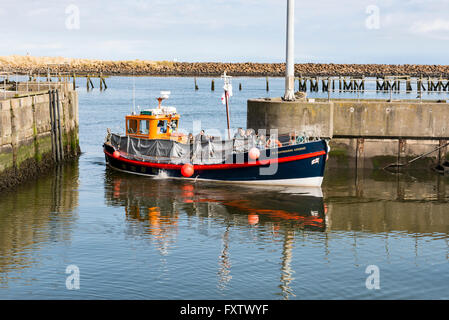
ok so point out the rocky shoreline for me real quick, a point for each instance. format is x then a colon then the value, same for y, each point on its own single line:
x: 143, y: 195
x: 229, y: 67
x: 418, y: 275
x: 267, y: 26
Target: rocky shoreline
x: 25, y: 65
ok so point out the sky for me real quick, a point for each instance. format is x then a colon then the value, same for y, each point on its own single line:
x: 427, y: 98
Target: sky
x: 326, y: 31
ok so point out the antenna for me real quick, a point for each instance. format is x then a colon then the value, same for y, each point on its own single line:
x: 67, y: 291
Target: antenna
x: 134, y: 94
x: 164, y: 95
x: 227, y: 93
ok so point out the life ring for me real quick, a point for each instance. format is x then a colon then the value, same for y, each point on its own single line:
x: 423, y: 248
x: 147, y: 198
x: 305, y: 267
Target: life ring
x: 275, y: 141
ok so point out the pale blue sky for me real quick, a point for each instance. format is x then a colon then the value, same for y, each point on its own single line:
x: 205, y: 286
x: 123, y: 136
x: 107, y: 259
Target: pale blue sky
x: 410, y: 31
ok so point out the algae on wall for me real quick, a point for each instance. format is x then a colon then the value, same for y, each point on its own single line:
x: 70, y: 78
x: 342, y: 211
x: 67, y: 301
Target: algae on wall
x: 26, y: 136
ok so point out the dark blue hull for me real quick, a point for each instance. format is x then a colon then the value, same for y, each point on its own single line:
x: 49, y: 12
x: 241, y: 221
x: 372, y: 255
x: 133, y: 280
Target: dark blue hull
x: 301, y: 164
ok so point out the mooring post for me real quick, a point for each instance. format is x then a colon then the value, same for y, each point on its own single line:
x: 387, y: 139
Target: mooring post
x: 212, y: 85
x: 240, y: 86
x: 196, y: 85
x: 61, y: 142
x: 53, y: 126
x: 267, y: 84
x: 408, y: 85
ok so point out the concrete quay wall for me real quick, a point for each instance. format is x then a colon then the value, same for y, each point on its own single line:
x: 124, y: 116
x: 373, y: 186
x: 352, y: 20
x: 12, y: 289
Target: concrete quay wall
x: 365, y: 133
x: 26, y: 144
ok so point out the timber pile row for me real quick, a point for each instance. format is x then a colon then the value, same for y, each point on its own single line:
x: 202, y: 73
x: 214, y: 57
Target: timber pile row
x: 168, y: 68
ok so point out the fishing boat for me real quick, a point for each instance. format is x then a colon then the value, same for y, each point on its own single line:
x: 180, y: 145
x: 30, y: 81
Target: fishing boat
x: 154, y: 145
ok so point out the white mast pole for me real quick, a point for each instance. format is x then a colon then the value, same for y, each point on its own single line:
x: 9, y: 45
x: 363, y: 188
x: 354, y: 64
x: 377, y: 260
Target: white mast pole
x: 290, y: 49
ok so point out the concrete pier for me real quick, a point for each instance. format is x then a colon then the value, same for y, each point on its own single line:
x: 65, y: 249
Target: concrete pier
x: 27, y: 130
x: 365, y: 133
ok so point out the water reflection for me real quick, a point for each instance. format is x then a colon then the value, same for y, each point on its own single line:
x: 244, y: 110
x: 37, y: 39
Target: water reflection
x: 379, y: 202
x: 35, y: 215
x: 373, y: 202
x: 275, y: 213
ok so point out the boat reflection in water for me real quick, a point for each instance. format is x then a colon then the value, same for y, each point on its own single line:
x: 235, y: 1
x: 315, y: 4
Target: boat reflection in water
x: 155, y: 207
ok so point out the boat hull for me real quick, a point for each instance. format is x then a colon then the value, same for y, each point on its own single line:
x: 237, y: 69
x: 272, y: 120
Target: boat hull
x: 298, y: 165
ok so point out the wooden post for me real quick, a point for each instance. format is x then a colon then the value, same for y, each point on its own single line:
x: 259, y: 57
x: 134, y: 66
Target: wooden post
x: 212, y: 85
x: 74, y: 85
x: 196, y: 85
x: 240, y: 86
x: 267, y: 84
x: 101, y: 82
x: 54, y: 143
x: 61, y: 142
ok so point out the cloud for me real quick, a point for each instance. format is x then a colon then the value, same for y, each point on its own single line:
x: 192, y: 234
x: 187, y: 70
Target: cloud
x: 434, y: 26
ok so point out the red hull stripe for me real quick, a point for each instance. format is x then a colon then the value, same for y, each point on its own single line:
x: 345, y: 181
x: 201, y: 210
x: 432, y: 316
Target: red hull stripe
x: 220, y: 166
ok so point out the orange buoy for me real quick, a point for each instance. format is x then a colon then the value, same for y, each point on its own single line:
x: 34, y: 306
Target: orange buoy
x: 187, y: 170
x: 254, y: 153
x: 253, y: 219
x: 116, y: 154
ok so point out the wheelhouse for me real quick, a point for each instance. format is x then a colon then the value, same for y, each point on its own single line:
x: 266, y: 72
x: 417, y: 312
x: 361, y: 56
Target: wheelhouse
x: 157, y: 123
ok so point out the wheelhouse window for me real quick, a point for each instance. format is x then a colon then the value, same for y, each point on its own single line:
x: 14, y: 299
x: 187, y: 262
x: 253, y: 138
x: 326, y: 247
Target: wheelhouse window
x: 173, y: 125
x: 162, y: 126
x: 144, y: 127
x: 132, y: 126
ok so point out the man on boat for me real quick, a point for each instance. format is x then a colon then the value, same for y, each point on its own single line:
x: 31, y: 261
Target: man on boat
x: 261, y: 141
x: 251, y: 137
x: 200, y: 138
x: 239, y: 140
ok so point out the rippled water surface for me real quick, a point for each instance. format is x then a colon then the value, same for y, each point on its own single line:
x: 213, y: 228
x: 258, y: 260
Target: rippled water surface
x: 134, y: 237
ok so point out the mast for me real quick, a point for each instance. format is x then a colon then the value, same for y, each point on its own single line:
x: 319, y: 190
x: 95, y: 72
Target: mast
x: 227, y: 93
x: 290, y: 48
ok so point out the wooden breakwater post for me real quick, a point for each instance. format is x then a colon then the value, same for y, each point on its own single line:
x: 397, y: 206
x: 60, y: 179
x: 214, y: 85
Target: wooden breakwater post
x: 240, y: 86
x: 56, y: 127
x: 408, y: 85
x: 89, y: 83
x: 313, y: 84
x: 212, y: 85
x: 74, y: 81
x: 196, y: 85
x: 302, y: 83
x: 267, y: 85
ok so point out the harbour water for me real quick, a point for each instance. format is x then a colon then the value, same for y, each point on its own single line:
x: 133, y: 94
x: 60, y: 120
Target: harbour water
x: 133, y: 237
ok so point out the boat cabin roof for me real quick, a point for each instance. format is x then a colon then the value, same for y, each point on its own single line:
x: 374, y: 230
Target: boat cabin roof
x: 157, y: 123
